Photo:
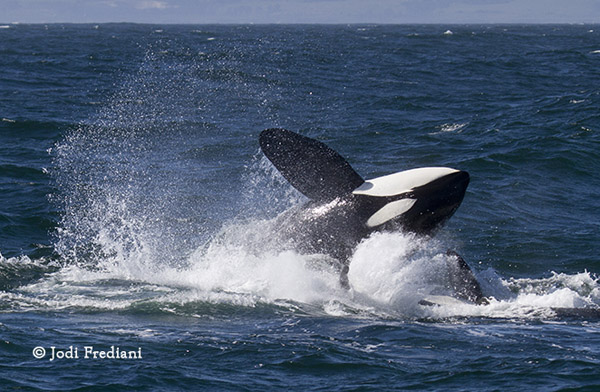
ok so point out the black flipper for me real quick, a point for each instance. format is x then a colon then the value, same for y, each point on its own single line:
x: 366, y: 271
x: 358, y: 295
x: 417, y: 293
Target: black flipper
x: 463, y: 281
x: 314, y: 169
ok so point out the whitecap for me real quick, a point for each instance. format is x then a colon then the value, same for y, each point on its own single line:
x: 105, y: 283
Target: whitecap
x: 455, y: 127
x: 450, y: 128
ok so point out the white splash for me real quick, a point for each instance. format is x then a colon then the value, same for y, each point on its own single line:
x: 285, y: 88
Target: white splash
x: 390, y: 273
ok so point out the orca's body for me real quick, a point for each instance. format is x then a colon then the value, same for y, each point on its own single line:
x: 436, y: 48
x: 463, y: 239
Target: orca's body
x: 344, y: 208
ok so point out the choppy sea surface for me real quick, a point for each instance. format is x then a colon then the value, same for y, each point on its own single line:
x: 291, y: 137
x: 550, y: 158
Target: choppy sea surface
x: 137, y: 212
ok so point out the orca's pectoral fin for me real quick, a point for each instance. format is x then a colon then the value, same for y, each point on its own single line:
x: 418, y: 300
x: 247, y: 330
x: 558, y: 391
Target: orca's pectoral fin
x: 462, y: 281
x: 317, y: 171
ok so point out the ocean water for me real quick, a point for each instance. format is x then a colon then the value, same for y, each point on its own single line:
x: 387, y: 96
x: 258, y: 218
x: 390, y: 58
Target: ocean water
x: 137, y: 214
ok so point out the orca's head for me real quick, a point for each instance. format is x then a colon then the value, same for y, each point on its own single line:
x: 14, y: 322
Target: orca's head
x: 419, y: 200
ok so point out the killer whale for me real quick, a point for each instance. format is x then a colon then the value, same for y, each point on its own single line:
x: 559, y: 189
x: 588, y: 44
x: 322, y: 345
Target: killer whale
x: 343, y: 208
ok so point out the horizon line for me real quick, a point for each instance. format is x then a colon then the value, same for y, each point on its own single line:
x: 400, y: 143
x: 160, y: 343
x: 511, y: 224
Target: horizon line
x: 307, y: 23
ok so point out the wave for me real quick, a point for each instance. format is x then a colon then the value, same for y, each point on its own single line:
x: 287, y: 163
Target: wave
x: 22, y: 270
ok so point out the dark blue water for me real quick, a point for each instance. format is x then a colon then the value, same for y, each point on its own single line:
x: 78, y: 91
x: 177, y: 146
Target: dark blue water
x: 137, y: 212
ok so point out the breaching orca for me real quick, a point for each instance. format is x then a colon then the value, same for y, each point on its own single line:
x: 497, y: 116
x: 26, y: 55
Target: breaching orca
x: 344, y: 208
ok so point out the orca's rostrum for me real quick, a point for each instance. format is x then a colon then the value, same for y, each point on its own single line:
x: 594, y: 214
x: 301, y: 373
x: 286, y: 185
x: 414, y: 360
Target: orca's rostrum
x: 344, y: 208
